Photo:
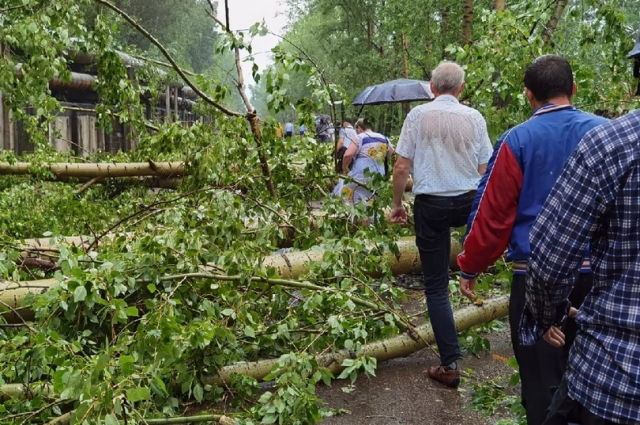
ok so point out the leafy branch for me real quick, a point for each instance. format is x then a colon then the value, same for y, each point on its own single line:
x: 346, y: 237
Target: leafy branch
x: 167, y: 55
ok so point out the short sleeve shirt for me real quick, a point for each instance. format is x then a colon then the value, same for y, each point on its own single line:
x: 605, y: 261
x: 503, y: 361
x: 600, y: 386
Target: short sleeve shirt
x: 348, y: 134
x: 446, y: 142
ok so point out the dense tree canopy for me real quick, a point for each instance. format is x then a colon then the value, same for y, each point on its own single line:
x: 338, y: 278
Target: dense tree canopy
x: 361, y: 43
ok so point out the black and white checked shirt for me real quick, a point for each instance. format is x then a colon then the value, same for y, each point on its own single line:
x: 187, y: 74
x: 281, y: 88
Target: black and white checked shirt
x: 595, y: 201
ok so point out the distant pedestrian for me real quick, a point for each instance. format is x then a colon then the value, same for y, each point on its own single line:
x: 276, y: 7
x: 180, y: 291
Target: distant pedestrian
x: 288, y: 130
x: 301, y: 130
x: 346, y: 136
x: 322, y: 127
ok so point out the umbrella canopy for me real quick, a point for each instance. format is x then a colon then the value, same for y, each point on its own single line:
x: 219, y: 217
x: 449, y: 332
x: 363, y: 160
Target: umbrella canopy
x: 401, y: 90
x: 635, y: 52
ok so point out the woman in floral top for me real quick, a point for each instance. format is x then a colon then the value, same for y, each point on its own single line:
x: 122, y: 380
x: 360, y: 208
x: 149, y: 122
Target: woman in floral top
x: 368, y: 152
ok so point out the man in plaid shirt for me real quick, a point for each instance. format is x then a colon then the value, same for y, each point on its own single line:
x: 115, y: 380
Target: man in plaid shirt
x: 596, y: 202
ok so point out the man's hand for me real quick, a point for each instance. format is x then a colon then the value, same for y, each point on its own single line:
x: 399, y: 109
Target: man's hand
x: 554, y: 336
x: 466, y: 287
x: 573, y: 312
x: 398, y: 215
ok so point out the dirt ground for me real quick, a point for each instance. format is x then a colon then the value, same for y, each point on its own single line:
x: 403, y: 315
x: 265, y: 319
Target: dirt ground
x: 402, y: 393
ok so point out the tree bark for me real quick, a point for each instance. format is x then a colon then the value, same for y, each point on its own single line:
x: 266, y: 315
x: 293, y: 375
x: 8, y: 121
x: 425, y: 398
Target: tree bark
x: 553, y: 21
x: 405, y: 71
x: 123, y: 169
x: 498, y: 102
x: 24, y: 392
x: 467, y: 22
x: 444, y: 23
x: 13, y: 295
x: 398, y: 346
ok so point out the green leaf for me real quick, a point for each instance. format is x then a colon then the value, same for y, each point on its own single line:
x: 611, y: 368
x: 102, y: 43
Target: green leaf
x: 198, y: 392
x: 132, y: 311
x: 109, y: 419
x: 138, y: 394
x: 248, y: 331
x: 79, y: 294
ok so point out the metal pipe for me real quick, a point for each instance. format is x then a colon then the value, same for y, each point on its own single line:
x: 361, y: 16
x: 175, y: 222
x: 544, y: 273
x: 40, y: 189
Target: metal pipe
x: 78, y: 82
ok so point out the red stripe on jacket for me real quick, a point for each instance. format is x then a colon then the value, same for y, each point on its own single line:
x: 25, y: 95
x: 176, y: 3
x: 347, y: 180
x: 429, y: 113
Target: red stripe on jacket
x: 493, y: 219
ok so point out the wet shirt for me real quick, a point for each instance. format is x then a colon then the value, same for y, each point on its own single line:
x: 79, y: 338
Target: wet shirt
x: 446, y: 141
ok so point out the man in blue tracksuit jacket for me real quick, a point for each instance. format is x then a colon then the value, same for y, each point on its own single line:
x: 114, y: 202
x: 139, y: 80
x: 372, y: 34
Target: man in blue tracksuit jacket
x: 525, y: 164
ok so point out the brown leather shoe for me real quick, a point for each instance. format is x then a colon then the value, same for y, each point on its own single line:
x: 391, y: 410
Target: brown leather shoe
x: 450, y: 378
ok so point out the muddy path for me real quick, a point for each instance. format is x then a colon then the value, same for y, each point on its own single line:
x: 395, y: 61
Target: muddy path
x: 402, y: 393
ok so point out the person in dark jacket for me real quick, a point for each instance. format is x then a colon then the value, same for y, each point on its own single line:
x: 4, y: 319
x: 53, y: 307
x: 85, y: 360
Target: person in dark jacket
x: 524, y: 166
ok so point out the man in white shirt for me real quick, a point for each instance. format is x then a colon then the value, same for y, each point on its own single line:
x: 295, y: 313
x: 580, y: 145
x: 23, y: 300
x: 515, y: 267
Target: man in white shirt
x: 448, y: 146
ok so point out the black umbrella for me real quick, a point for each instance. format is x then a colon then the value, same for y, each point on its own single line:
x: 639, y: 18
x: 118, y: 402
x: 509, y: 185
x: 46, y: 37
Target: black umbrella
x: 401, y: 90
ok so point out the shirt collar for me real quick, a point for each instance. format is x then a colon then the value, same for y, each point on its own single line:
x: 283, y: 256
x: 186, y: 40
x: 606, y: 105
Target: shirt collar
x: 550, y: 107
x: 446, y: 98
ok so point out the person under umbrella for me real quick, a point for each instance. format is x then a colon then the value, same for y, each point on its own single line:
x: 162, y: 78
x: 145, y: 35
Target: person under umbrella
x: 368, y: 153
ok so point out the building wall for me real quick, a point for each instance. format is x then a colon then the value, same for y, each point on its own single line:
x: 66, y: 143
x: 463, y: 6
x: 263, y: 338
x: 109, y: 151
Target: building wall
x: 76, y: 131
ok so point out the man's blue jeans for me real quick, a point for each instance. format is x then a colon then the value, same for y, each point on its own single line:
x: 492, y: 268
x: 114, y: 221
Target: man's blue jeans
x: 434, y: 217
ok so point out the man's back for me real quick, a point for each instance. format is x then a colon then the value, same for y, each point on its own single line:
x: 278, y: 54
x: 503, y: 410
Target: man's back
x: 524, y: 167
x: 541, y: 147
x: 446, y: 142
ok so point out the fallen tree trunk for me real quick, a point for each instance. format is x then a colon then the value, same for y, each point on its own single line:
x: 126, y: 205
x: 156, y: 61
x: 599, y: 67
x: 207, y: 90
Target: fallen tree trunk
x: 42, y: 249
x: 288, y: 266
x: 12, y: 295
x: 398, y: 346
x: 294, y: 264
x: 24, y: 392
x: 91, y: 170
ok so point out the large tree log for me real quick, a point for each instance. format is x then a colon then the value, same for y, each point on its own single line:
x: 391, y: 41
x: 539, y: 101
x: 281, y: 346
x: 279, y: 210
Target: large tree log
x: 132, y: 169
x: 288, y: 266
x: 295, y: 264
x: 398, y: 346
x: 12, y: 295
x: 24, y: 392
x: 41, y: 248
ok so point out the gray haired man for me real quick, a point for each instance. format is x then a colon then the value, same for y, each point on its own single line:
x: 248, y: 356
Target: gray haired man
x: 448, y: 145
